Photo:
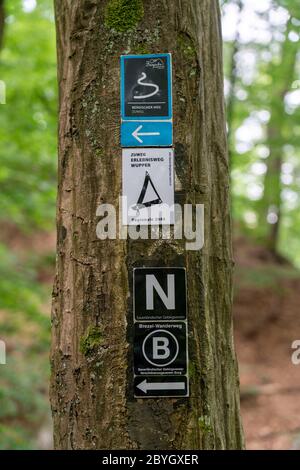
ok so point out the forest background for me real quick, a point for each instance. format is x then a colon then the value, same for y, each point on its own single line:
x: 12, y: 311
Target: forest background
x: 262, y: 89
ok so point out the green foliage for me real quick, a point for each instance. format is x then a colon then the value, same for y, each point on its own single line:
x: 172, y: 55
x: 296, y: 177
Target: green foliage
x: 25, y: 328
x: 23, y: 387
x: 28, y: 190
x: 264, y: 276
x: 28, y: 123
x: 20, y: 292
x: 123, y: 15
x: 265, y: 128
x: 28, y: 119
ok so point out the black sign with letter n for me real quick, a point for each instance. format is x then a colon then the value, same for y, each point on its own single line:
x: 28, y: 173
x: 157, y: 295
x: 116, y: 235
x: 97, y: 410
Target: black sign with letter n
x: 159, y: 294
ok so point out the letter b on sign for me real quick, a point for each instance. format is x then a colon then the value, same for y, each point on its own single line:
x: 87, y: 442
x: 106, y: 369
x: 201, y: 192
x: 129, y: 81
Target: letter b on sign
x: 160, y: 348
x: 159, y: 294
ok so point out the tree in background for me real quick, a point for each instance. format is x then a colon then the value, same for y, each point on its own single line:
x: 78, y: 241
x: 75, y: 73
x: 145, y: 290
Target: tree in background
x: 2, y: 21
x: 27, y: 207
x: 91, y: 386
x: 232, y: 81
x: 28, y: 120
x: 261, y: 66
x: 283, y: 75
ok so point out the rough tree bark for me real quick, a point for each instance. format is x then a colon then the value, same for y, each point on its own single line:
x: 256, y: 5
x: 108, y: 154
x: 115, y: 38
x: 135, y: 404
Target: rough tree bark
x: 91, y: 386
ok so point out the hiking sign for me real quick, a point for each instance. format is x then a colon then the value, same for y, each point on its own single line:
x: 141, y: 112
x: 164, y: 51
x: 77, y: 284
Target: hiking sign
x: 146, y: 100
x: 148, y: 186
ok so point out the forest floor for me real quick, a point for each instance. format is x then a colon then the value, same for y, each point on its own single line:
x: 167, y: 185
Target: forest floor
x: 267, y: 321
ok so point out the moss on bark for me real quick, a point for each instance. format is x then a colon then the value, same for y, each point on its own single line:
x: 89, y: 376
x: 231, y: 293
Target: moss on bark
x: 91, y: 341
x: 123, y: 15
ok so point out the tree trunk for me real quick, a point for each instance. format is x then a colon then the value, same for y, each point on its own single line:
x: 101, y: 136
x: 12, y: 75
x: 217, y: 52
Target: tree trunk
x: 2, y: 22
x: 232, y: 83
x: 92, y: 384
x: 283, y: 74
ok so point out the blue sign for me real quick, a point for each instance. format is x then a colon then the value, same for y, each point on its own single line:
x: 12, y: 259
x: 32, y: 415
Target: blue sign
x: 146, y: 100
x: 146, y: 134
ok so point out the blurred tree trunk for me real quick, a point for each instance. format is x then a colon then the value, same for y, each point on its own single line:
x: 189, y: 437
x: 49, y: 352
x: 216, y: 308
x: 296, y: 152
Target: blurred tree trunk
x: 2, y: 22
x: 92, y: 384
x: 270, y: 206
x: 232, y: 83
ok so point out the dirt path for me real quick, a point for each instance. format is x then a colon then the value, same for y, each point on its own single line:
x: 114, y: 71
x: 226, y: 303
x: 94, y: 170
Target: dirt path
x: 267, y: 321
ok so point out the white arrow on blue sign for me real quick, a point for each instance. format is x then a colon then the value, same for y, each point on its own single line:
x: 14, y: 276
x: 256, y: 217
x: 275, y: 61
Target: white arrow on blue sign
x: 144, y: 134
x: 146, y: 100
